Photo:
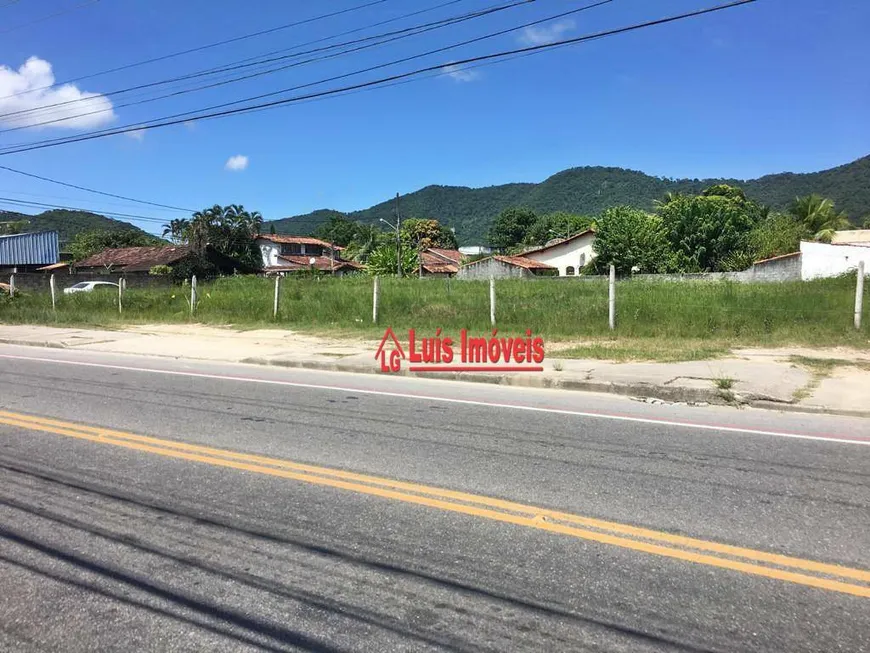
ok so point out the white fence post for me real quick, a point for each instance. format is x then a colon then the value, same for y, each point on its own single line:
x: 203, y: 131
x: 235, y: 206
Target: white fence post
x: 12, y: 285
x: 120, y: 292
x: 192, y: 294
x: 611, y: 303
x: 859, y: 295
x: 277, y: 294
x: 53, y: 293
x: 492, y: 300
x: 375, y: 297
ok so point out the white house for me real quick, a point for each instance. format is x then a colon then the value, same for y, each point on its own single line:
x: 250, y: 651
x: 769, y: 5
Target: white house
x: 285, y: 254
x: 568, y: 255
x: 821, y: 260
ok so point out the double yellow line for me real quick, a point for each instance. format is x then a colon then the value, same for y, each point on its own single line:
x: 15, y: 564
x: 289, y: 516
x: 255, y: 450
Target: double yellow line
x: 749, y: 561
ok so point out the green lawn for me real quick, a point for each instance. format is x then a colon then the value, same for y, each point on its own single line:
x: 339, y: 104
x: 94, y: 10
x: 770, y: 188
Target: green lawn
x: 655, y: 320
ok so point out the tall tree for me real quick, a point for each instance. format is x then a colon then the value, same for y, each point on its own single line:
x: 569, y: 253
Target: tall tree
x: 707, y: 229
x: 632, y: 241
x: 555, y: 225
x: 176, y: 230
x: 819, y: 217
x: 510, y: 227
x: 337, y: 230
x: 92, y: 242
x: 420, y: 233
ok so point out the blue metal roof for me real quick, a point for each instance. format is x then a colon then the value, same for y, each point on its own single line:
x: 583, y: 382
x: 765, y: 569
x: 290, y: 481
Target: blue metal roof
x: 29, y: 249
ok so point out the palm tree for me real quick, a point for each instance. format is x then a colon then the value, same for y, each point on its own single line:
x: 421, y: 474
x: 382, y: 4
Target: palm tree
x: 818, y: 216
x: 669, y: 197
x: 176, y: 230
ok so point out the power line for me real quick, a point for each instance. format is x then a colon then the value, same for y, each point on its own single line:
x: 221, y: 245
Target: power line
x: 92, y: 190
x: 258, y: 59
x: 200, y: 48
x: 44, y: 18
x: 145, y: 218
x: 143, y: 124
x: 375, y: 83
x: 394, y: 36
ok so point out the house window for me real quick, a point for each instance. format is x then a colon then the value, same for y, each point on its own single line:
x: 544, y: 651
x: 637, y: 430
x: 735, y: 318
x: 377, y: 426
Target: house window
x: 291, y: 249
x: 569, y: 271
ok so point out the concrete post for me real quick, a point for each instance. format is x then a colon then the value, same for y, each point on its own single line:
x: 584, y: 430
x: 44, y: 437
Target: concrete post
x: 277, y: 295
x: 611, y: 303
x: 492, y: 300
x: 53, y: 287
x: 859, y: 295
x: 120, y: 293
x: 375, y: 297
x: 193, y: 294
x: 12, y: 285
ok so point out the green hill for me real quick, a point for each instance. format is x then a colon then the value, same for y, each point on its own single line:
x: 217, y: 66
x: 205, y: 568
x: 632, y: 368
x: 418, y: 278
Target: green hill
x: 67, y: 223
x: 590, y: 190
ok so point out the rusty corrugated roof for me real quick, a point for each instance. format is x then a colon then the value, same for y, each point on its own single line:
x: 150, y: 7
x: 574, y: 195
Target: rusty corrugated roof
x: 135, y: 258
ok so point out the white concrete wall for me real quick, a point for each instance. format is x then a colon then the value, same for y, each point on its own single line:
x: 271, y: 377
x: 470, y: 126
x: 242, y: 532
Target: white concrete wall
x: 821, y: 260
x: 575, y: 253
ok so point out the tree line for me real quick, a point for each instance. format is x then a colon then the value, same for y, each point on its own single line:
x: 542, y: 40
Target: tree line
x: 718, y: 230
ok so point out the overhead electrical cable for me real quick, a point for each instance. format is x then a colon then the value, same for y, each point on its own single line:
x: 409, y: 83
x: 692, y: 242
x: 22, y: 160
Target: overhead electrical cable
x: 200, y: 48
x: 92, y: 190
x: 370, y: 68
x: 394, y: 36
x: 168, y: 121
x: 54, y: 15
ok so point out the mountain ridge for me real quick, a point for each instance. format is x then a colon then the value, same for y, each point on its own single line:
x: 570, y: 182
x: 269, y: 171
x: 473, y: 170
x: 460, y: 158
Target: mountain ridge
x: 588, y: 190
x: 67, y: 223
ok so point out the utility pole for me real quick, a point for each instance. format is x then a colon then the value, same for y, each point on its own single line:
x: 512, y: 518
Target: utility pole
x: 420, y: 256
x: 398, y: 238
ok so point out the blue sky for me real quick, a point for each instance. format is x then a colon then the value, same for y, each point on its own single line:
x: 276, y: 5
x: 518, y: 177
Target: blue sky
x: 779, y: 85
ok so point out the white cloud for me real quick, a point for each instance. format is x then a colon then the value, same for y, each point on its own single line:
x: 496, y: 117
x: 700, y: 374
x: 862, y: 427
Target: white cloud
x: 460, y: 74
x: 35, y: 74
x: 541, y: 35
x: 237, y: 162
x: 136, y: 134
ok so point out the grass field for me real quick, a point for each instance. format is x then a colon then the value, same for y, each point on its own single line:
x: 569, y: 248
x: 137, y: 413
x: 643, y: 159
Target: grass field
x: 655, y: 320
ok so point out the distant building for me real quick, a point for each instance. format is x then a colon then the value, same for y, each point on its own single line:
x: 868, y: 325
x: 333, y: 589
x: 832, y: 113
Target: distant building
x: 27, y: 252
x: 568, y: 255
x: 474, y: 250
x: 851, y: 237
x: 505, y: 267
x: 438, y: 262
x: 287, y: 254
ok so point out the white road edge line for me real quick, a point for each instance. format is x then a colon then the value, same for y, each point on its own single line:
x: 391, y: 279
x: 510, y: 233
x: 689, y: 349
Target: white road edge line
x: 468, y: 402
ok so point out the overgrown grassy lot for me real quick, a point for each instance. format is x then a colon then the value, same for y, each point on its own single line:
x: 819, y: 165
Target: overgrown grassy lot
x: 655, y: 320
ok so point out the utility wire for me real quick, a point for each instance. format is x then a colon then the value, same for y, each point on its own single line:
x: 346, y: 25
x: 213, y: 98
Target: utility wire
x: 146, y: 218
x: 92, y: 190
x: 393, y: 36
x: 39, y: 20
x: 351, y: 74
x: 374, y: 83
x: 261, y: 58
x: 202, y: 47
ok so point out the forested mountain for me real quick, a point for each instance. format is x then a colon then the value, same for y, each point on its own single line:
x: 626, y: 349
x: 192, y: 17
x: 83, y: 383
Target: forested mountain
x: 66, y: 223
x: 590, y: 190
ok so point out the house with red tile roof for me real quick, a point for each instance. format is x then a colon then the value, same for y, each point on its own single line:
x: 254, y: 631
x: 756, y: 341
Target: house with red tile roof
x: 284, y: 254
x: 506, y: 267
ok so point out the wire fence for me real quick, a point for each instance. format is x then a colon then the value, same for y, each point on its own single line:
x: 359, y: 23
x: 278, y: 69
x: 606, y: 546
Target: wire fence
x: 811, y: 312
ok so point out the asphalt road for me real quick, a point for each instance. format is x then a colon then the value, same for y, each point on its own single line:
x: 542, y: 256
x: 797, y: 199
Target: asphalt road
x: 270, y: 509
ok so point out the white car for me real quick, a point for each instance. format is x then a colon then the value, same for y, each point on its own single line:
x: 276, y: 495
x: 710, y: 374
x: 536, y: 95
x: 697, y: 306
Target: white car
x: 88, y: 286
